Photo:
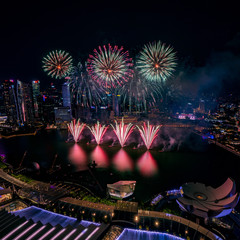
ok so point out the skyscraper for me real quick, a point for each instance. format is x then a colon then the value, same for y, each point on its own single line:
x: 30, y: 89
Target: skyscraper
x: 10, y: 102
x: 25, y: 103
x: 36, y: 97
x: 66, y: 95
x: 2, y: 107
x: 51, y: 98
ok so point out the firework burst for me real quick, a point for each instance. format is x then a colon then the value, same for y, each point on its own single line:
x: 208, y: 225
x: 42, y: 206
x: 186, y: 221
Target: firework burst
x: 110, y: 66
x: 85, y: 91
x: 75, y: 128
x: 98, y: 131
x: 122, y: 131
x: 156, y: 61
x: 148, y: 133
x: 57, y: 64
x: 138, y: 93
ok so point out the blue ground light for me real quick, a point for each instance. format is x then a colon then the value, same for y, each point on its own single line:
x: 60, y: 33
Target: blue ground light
x: 44, y: 216
x: 131, y: 234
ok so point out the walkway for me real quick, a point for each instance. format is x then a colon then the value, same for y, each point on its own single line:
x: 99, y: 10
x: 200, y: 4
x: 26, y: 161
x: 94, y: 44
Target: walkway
x: 42, y: 192
x: 14, y: 180
x: 86, y: 204
x: 139, y: 234
x: 190, y: 224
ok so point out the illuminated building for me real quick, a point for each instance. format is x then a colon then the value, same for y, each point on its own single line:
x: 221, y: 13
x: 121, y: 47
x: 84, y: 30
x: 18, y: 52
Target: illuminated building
x: 10, y: 96
x: 3, y: 119
x: 121, y: 189
x: 62, y: 114
x: 201, y: 108
x: 66, y: 95
x: 25, y: 104
x: 50, y: 100
x: 205, y: 201
x: 184, y: 116
x: 36, y: 97
x: 2, y: 107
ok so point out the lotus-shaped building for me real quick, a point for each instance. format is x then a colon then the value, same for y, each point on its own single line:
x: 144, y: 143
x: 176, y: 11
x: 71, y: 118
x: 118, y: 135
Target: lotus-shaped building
x: 205, y: 201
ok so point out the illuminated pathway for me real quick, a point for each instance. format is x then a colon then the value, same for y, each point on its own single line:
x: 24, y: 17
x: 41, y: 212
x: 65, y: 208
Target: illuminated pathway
x: 129, y: 234
x: 180, y: 220
x: 14, y: 180
x: 45, y: 192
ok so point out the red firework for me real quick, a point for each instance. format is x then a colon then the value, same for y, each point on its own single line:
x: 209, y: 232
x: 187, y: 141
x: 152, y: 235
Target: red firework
x: 110, y: 66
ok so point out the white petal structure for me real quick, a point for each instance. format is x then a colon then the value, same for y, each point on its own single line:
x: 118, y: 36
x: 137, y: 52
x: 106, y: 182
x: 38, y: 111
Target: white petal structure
x: 205, y: 201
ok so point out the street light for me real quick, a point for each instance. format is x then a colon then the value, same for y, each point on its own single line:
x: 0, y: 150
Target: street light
x: 156, y: 223
x: 136, y: 219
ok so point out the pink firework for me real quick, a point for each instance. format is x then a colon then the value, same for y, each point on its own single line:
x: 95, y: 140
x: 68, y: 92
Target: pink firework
x: 148, y: 133
x: 98, y: 131
x: 122, y: 131
x: 75, y: 128
x: 110, y: 66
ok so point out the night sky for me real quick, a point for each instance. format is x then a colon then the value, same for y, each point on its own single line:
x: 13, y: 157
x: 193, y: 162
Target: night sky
x: 195, y: 29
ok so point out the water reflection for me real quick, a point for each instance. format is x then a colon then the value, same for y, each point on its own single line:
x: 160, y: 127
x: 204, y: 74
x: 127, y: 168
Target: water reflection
x: 100, y: 157
x: 147, y: 165
x: 78, y: 157
x: 122, y: 161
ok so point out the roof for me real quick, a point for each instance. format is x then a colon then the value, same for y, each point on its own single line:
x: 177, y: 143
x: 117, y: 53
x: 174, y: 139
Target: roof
x: 206, y: 201
x: 121, y: 185
x: 127, y: 206
x: 82, y: 203
x: 36, y: 223
x: 124, y: 182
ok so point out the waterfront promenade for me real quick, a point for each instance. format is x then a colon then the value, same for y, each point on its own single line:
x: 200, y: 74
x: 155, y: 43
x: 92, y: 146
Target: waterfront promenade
x: 13, y: 180
x: 142, y: 214
x: 180, y: 220
x: 19, y: 135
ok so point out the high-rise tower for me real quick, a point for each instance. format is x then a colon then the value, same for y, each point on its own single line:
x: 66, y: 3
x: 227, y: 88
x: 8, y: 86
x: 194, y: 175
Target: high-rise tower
x: 10, y: 101
x: 66, y: 95
x: 36, y: 97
